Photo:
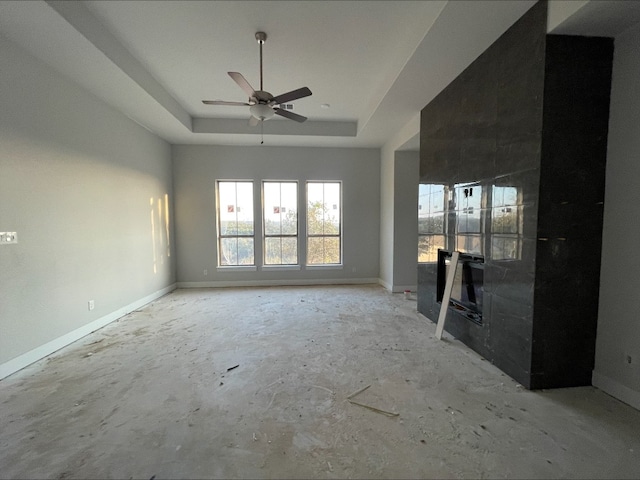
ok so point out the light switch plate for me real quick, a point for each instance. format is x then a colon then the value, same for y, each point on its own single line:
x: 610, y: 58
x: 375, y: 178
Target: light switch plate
x: 8, y: 237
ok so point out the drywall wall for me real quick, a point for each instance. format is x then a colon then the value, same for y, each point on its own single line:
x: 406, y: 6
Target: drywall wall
x: 405, y: 214
x: 88, y: 192
x: 387, y: 164
x: 560, y: 10
x: 388, y: 225
x: 196, y: 170
x: 618, y: 327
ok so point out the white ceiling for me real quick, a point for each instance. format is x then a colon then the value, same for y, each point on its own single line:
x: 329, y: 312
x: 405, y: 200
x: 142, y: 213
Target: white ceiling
x: 376, y: 63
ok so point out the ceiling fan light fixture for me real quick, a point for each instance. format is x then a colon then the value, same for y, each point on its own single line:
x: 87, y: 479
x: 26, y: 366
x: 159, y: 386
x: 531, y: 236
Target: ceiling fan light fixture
x: 261, y: 111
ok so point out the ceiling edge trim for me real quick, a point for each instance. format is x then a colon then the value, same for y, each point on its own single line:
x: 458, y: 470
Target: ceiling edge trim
x: 276, y: 127
x: 81, y: 19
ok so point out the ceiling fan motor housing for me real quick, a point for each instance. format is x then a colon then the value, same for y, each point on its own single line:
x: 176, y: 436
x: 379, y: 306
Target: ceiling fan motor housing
x: 261, y: 111
x: 263, y: 97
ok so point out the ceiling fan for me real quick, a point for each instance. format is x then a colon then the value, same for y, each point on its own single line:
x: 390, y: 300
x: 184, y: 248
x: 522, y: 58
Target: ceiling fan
x: 262, y: 104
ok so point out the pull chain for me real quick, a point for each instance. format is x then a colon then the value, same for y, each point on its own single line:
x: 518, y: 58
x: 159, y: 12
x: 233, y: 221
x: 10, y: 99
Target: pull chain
x: 261, y: 132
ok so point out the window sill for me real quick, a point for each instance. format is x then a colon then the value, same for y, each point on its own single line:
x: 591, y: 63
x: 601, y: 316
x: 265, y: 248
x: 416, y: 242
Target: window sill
x: 276, y: 268
x: 324, y: 267
x: 237, y: 268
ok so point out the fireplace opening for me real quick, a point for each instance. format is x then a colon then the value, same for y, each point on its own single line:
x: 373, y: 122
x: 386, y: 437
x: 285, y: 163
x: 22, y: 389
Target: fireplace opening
x: 467, y: 291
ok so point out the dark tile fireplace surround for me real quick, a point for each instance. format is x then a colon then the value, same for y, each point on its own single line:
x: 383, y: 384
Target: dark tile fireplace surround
x: 526, y: 120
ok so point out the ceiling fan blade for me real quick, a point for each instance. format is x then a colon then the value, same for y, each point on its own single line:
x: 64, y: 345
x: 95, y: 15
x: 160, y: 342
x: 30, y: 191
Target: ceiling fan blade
x: 253, y: 121
x: 222, y: 102
x: 289, y: 115
x: 290, y: 96
x: 242, y: 83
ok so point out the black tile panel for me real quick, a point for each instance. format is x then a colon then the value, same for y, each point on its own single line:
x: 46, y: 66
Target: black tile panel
x: 511, y: 340
x: 517, y: 154
x: 511, y: 280
x: 486, y: 127
x: 427, y: 279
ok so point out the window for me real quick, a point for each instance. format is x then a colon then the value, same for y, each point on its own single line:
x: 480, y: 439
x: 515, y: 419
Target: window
x: 469, y: 217
x: 235, y: 223
x: 324, y: 229
x: 280, y: 206
x: 431, y: 217
x: 506, y: 224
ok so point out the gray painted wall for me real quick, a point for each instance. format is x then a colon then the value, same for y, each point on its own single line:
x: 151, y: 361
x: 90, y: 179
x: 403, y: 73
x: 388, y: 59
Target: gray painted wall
x: 196, y: 169
x: 387, y: 221
x: 397, y: 264
x: 80, y: 183
x: 618, y: 325
x: 405, y: 214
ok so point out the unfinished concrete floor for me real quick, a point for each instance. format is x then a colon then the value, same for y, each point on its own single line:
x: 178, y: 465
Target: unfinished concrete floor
x: 151, y: 395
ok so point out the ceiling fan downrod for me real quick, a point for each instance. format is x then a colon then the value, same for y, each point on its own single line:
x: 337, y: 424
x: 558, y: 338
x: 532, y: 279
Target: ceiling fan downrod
x: 261, y: 37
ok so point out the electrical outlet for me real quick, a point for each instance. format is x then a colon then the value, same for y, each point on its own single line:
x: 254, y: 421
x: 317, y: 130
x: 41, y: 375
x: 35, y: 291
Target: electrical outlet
x: 206, y: 272
x: 92, y: 305
x: 8, y: 237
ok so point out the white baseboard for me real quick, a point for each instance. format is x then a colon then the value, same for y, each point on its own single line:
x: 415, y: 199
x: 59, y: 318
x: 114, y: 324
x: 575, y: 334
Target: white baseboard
x: 397, y: 288
x: 18, y: 363
x: 616, y: 389
x: 402, y: 288
x: 278, y: 283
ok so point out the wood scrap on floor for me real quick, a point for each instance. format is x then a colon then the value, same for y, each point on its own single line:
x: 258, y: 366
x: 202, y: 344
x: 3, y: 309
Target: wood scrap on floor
x: 374, y: 409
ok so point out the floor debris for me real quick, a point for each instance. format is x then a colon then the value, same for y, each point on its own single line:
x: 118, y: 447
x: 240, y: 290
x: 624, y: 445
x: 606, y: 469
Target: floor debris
x: 358, y: 392
x: 383, y: 412
x: 324, y: 388
x: 166, y: 400
x: 377, y: 410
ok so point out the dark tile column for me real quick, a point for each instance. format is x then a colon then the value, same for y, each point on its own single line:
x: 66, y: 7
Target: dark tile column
x: 528, y: 116
x: 574, y: 152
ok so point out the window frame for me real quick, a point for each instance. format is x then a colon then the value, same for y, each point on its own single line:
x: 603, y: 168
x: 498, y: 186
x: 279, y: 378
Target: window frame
x: 237, y: 236
x: 497, y: 209
x: 432, y: 235
x: 281, y: 235
x: 465, y: 238
x: 338, y: 235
